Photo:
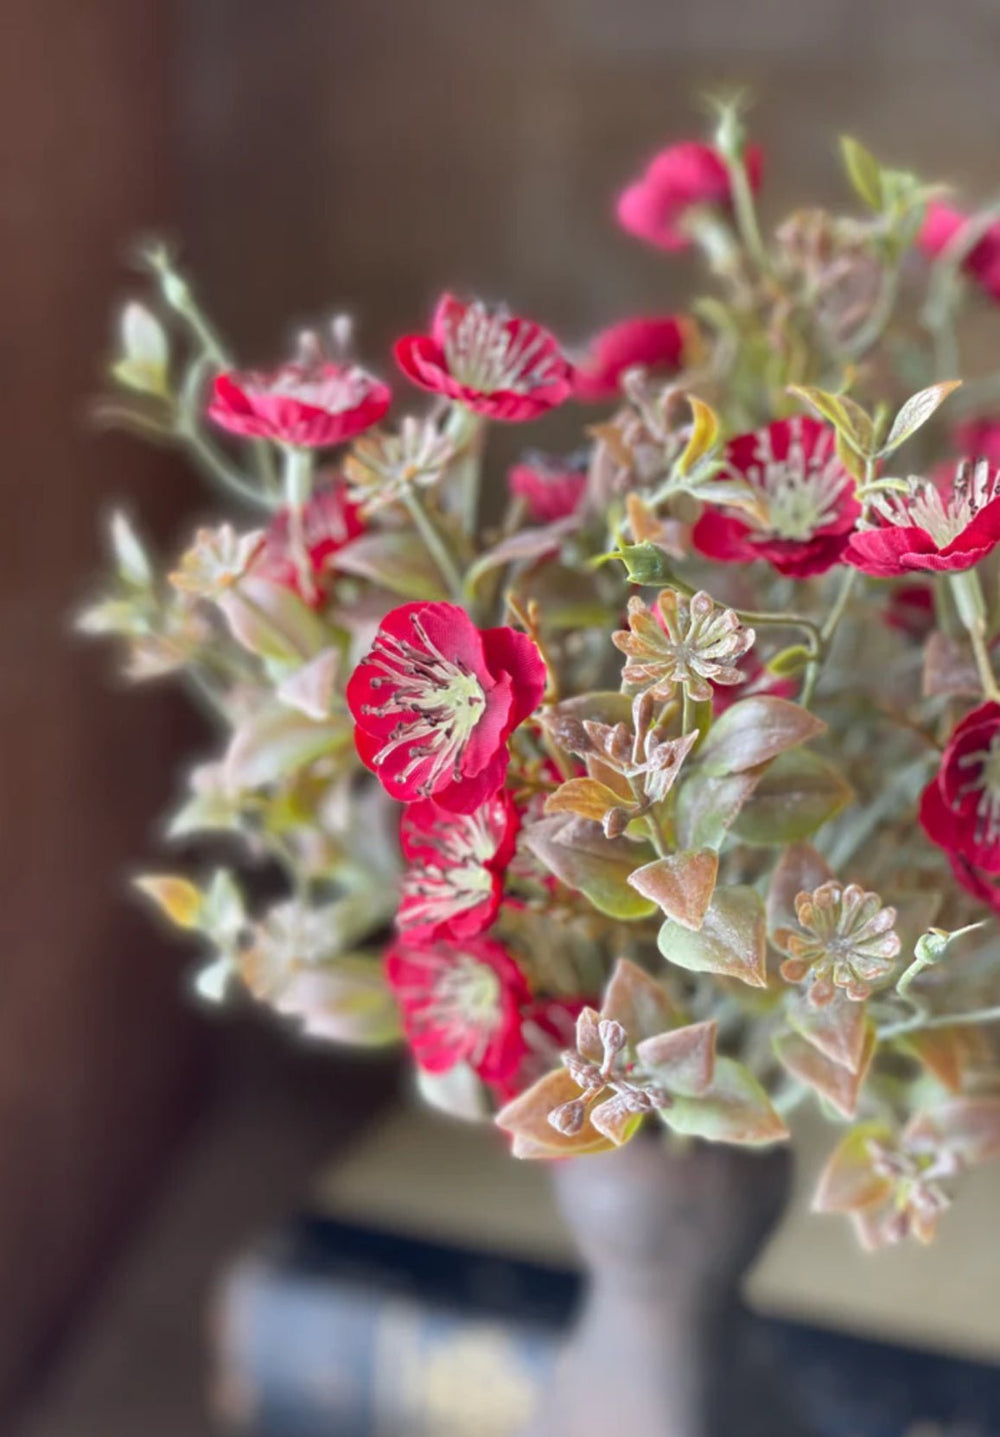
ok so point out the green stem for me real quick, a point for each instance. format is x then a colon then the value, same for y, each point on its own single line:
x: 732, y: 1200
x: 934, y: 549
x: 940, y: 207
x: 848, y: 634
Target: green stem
x: 835, y: 615
x: 219, y: 470
x: 435, y: 545
x: 298, y: 484
x: 971, y: 605
x: 746, y: 213
x: 782, y: 621
x: 468, y: 432
x: 939, y: 1020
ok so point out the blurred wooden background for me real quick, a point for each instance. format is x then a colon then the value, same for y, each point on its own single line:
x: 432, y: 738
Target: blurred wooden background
x: 313, y: 155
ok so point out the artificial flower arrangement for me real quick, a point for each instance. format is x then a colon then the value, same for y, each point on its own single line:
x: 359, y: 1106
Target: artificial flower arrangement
x: 655, y: 784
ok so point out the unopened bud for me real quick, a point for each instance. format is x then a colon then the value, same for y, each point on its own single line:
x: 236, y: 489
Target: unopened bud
x: 613, y: 1039
x: 569, y: 1118
x: 615, y: 822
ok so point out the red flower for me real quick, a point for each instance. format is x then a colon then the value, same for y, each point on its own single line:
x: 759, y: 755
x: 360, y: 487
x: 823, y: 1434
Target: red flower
x: 328, y: 521
x: 311, y: 402
x: 677, y: 180
x: 980, y: 439
x: 454, y: 885
x: 942, y: 224
x: 910, y: 610
x: 960, y: 807
x: 460, y: 1002
x: 551, y: 488
x: 800, y: 505
x: 656, y: 344
x: 943, y: 530
x: 548, y: 1027
x: 436, y: 700
x: 496, y: 364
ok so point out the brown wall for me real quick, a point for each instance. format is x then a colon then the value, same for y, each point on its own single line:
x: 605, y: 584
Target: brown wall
x: 93, y: 1031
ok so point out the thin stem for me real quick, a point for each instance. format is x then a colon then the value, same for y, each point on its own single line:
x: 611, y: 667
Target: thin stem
x: 746, y: 213
x: 689, y: 714
x: 971, y: 605
x: 468, y: 431
x: 872, y: 329
x: 835, y: 615
x: 782, y: 621
x: 435, y: 544
x: 939, y: 1020
x: 219, y: 470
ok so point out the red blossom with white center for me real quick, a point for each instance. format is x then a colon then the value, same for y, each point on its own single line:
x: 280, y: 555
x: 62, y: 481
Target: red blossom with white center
x: 655, y: 344
x: 311, y: 403
x: 454, y: 883
x: 460, y: 1003
x: 942, y: 224
x: 960, y: 807
x: 493, y: 362
x: 327, y: 522
x: 684, y: 177
x: 942, y: 529
x: 436, y: 700
x: 801, y: 505
x: 552, y: 487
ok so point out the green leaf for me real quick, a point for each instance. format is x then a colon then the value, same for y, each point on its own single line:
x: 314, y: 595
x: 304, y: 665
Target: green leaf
x: 916, y: 412
x: 145, y: 353
x: 839, y: 1029
x: 708, y: 806
x: 847, y: 417
x: 131, y: 559
x: 345, y: 1000
x: 396, y: 560
x: 579, y: 855
x: 863, y: 171
x: 273, y: 622
x: 647, y: 564
x: 731, y: 940
x: 178, y: 898
x: 680, y: 885
x: 276, y: 741
x: 459, y: 1092
x: 754, y: 730
x: 795, y: 796
x: 736, y: 1109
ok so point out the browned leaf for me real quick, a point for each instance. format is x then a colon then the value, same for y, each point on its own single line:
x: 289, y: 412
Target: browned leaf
x: 681, y: 884
x: 684, y: 1059
x: 800, y: 869
x: 838, y: 1085
x: 526, y: 1118
x: 583, y: 796
x: 967, y: 1127
x: 838, y: 1029
x: 848, y: 1182
x: 637, y: 1001
x: 950, y: 1054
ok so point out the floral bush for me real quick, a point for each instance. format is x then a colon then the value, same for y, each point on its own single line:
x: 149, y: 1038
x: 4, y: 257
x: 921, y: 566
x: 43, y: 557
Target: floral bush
x: 659, y: 783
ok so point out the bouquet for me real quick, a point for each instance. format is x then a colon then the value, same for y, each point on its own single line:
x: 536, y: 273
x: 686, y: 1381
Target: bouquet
x: 655, y: 783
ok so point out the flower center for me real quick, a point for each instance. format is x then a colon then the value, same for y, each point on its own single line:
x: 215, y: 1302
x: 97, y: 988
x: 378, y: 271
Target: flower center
x: 329, y: 387
x: 943, y: 515
x: 488, y: 353
x: 798, y: 495
x: 439, y: 702
x: 986, y: 784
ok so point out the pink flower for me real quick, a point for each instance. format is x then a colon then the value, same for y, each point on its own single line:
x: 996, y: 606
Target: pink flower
x: 328, y: 521
x: 495, y: 363
x: 960, y: 807
x: 938, y: 529
x: 656, y: 344
x: 436, y: 700
x: 454, y: 884
x: 311, y: 403
x: 551, y: 488
x: 677, y: 180
x: 800, y: 506
x: 942, y: 223
x: 460, y: 1003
